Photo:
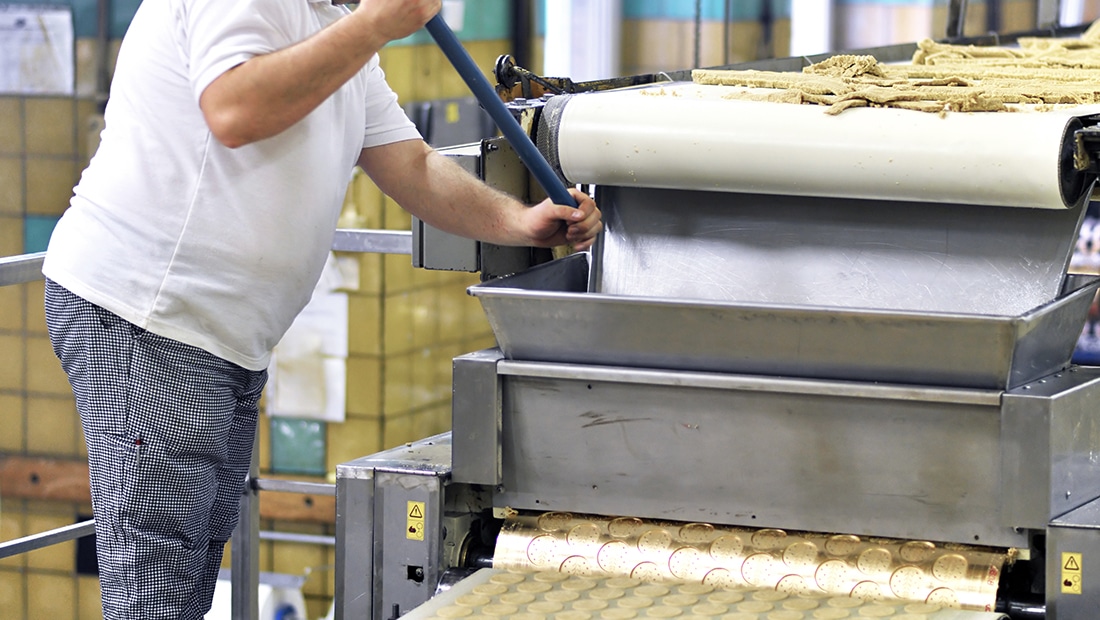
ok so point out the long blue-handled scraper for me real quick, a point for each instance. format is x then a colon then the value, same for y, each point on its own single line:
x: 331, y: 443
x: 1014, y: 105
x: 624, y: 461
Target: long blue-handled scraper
x: 487, y: 97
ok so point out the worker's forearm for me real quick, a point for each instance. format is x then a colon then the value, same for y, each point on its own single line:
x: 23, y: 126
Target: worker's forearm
x: 455, y: 201
x: 438, y: 191
x: 441, y: 193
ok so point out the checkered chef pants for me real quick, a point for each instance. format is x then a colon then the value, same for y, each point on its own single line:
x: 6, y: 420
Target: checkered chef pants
x: 169, y: 429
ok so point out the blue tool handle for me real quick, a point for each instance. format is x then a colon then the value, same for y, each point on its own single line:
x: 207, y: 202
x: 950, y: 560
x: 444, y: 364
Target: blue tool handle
x: 521, y: 142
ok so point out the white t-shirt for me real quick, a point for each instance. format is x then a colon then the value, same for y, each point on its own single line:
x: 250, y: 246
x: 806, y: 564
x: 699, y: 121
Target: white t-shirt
x: 214, y: 247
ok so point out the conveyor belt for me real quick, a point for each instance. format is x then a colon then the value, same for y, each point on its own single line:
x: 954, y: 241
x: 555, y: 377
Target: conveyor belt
x: 689, y: 136
x: 493, y: 593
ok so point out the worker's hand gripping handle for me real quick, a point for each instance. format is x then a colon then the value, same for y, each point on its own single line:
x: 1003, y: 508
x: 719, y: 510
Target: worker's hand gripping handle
x: 521, y: 142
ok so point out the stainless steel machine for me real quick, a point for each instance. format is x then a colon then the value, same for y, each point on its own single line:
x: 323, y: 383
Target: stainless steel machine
x: 806, y: 356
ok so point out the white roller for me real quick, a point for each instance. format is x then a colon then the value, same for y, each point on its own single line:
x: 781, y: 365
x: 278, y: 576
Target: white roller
x: 687, y: 136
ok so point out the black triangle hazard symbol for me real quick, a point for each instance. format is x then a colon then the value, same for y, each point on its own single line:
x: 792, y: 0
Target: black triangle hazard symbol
x: 416, y: 513
x: 1071, y: 564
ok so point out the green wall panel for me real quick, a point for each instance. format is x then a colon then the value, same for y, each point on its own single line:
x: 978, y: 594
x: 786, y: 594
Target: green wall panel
x: 712, y: 10
x: 85, y: 15
x: 483, y: 20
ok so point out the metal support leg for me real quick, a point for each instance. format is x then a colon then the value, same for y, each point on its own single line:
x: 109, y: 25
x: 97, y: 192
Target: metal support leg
x: 1049, y: 14
x: 956, y: 19
x: 245, y: 547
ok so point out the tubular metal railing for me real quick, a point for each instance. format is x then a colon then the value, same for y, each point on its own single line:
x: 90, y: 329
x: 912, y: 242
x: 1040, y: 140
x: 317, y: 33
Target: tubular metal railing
x: 46, y: 539
x: 244, y: 570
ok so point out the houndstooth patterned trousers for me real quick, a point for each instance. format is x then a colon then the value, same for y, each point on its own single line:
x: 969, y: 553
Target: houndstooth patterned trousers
x: 169, y: 430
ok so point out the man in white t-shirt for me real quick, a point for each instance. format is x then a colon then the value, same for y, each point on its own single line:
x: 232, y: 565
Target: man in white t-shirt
x: 197, y: 234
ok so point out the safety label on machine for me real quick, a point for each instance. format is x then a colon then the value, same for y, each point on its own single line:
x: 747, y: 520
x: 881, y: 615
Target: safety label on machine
x: 452, y: 113
x: 1071, y: 573
x: 414, y: 521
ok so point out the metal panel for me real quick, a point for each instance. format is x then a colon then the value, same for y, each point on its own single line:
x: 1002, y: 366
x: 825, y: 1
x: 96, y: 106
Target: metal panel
x: 1075, y: 447
x: 1084, y: 517
x: 809, y: 459
x: 1051, y: 436
x: 1076, y: 533
x: 1067, y: 606
x: 409, y: 564
x: 436, y: 249
x: 354, y: 591
x: 374, y: 556
x: 786, y: 250
x: 475, y: 423
x: 458, y: 121
x: 447, y: 122
x: 545, y: 315
x: 1025, y: 459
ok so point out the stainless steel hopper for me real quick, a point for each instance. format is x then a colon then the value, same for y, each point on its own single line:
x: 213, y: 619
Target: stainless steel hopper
x: 930, y: 294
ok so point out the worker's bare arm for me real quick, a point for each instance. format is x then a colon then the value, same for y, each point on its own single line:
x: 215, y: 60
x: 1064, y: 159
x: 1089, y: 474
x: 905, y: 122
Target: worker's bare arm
x: 438, y: 191
x: 267, y: 94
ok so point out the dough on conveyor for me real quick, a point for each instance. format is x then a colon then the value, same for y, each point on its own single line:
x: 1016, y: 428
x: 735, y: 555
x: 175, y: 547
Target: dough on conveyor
x: 684, y: 135
x: 942, y: 78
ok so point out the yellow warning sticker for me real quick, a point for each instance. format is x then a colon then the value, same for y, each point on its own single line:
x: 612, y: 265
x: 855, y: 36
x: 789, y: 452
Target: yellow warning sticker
x: 1071, y: 573
x: 414, y: 521
x: 452, y: 113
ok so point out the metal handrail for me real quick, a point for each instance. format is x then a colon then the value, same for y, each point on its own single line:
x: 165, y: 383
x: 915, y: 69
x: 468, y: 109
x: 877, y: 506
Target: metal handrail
x: 25, y: 268
x: 46, y: 539
x: 373, y: 241
x: 305, y: 539
x: 28, y: 267
x: 22, y: 268
x: 294, y: 486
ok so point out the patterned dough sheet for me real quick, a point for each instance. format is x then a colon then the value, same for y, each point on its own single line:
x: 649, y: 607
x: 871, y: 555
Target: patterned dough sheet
x: 493, y: 593
x: 795, y: 564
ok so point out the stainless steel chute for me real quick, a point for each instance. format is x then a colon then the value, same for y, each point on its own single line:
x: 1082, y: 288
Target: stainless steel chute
x: 546, y: 314
x: 929, y: 294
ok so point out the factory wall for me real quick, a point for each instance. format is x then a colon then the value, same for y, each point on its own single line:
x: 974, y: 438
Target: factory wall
x: 867, y: 23
x: 661, y: 36
x: 44, y: 143
x: 405, y: 325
